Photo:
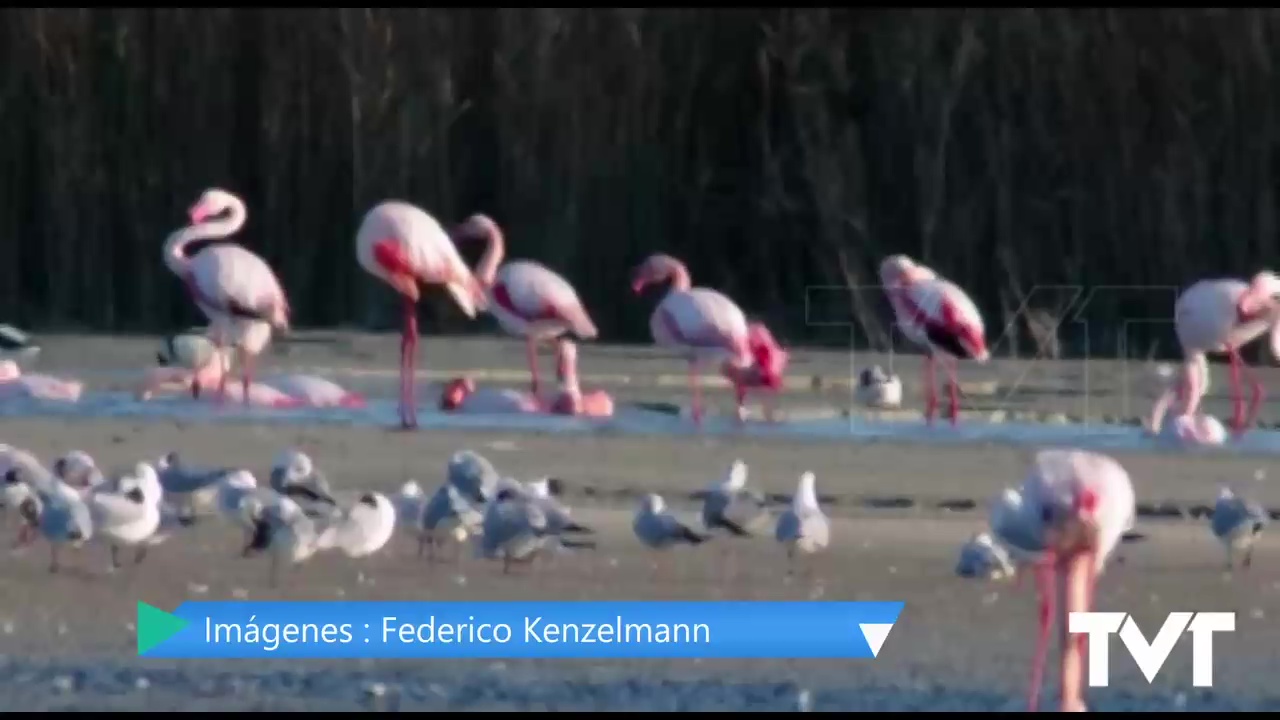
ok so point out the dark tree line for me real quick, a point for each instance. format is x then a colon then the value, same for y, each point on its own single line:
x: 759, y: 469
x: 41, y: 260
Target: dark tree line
x: 781, y: 153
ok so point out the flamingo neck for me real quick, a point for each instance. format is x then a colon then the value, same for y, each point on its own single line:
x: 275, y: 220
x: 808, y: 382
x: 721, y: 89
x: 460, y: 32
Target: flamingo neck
x: 175, y: 254
x: 495, y: 249
x: 567, y: 370
x: 806, y: 495
x: 675, y: 271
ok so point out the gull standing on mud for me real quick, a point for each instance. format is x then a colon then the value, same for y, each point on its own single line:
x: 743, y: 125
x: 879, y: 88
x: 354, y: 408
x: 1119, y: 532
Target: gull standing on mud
x: 1075, y: 507
x: 546, y: 493
x: 282, y: 529
x: 515, y: 529
x: 474, y: 476
x: 61, y: 512
x: 1237, y: 523
x: 129, y: 514
x: 295, y: 476
x: 657, y: 529
x: 803, y: 527
x: 984, y: 557
x: 729, y: 505
x: 235, y: 488
x: 448, y: 511
x: 187, y: 485
x: 79, y: 470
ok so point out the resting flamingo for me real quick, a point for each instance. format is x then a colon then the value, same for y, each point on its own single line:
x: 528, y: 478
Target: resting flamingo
x: 232, y: 286
x: 937, y: 315
x: 14, y: 384
x: 1071, y: 513
x: 462, y: 395
x: 404, y: 246
x: 1222, y: 316
x: 700, y: 323
x: 528, y: 299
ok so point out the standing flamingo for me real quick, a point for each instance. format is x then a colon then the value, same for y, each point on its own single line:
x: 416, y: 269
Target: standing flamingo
x: 938, y: 315
x: 526, y: 297
x: 403, y: 246
x: 1072, y: 511
x: 702, y: 324
x: 232, y: 286
x: 1222, y: 316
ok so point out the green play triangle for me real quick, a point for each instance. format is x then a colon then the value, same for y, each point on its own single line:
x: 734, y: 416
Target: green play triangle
x: 155, y: 626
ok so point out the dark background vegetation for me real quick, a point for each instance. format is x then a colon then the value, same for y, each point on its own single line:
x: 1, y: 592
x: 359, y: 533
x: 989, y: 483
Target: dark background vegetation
x: 773, y: 150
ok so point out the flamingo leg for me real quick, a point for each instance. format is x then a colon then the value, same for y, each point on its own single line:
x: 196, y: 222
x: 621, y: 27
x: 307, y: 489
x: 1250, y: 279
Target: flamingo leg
x: 931, y: 393
x: 1255, y: 395
x: 1046, y: 577
x: 953, y: 387
x: 1237, y: 393
x: 696, y: 389
x: 408, y: 352
x: 531, y: 351
x: 1078, y: 597
x: 246, y: 372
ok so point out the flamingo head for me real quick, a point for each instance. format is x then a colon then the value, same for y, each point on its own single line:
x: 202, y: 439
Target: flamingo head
x: 456, y: 392
x: 657, y: 268
x: 477, y: 227
x: 1071, y: 522
x: 770, y: 358
x: 898, y: 270
x: 9, y: 371
x: 212, y: 203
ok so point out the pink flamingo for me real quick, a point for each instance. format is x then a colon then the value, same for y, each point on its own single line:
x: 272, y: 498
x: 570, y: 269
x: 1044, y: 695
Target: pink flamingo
x: 462, y: 395
x: 764, y: 374
x: 1222, y: 316
x: 282, y: 391
x: 1070, y: 514
x: 937, y: 315
x: 528, y: 299
x: 14, y: 384
x: 232, y: 286
x: 700, y: 323
x: 403, y: 246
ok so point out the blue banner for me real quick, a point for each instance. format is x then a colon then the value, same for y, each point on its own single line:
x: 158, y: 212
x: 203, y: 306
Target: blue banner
x: 246, y: 629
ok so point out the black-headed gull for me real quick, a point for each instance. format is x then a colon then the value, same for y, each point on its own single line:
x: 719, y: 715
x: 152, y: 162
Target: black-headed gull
x: 1237, y: 523
x: 128, y: 515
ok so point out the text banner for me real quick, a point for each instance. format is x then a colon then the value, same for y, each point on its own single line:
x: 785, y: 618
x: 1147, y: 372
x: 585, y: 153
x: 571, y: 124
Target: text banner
x: 246, y: 629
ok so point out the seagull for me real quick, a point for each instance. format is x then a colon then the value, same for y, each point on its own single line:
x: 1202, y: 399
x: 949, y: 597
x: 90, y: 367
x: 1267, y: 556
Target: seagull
x: 234, y: 490
x: 803, y: 527
x: 1238, y: 524
x: 729, y: 505
x: 365, y: 527
x: 130, y: 513
x: 657, y: 528
x: 294, y: 475
x: 514, y: 528
x: 982, y: 556
x: 473, y: 475
x: 61, y: 512
x: 189, y: 486
x: 78, y: 469
x: 878, y: 389
x: 448, y: 511
x: 410, y: 504
x: 546, y: 493
x: 282, y: 529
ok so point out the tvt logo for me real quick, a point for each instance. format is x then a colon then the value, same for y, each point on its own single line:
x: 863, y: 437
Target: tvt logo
x: 1150, y: 656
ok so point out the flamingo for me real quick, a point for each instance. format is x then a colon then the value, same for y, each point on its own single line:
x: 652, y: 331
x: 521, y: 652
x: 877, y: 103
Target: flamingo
x: 528, y: 299
x: 1222, y: 316
x: 700, y: 323
x: 404, y: 246
x: 232, y: 286
x: 1072, y: 511
x: 936, y: 314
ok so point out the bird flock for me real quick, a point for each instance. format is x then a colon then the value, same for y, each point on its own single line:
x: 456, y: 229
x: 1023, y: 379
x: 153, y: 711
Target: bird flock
x: 297, y: 515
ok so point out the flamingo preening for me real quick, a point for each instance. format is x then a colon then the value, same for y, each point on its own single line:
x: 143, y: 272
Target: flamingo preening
x: 936, y: 314
x: 700, y: 323
x: 1222, y: 316
x: 528, y: 299
x: 403, y: 246
x: 232, y: 286
x: 1069, y: 516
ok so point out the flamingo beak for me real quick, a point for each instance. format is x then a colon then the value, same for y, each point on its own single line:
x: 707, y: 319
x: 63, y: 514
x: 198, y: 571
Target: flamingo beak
x: 637, y: 285
x: 197, y: 214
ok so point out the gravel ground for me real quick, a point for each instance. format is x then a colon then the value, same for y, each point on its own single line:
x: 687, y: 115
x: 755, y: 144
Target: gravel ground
x: 900, y: 512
